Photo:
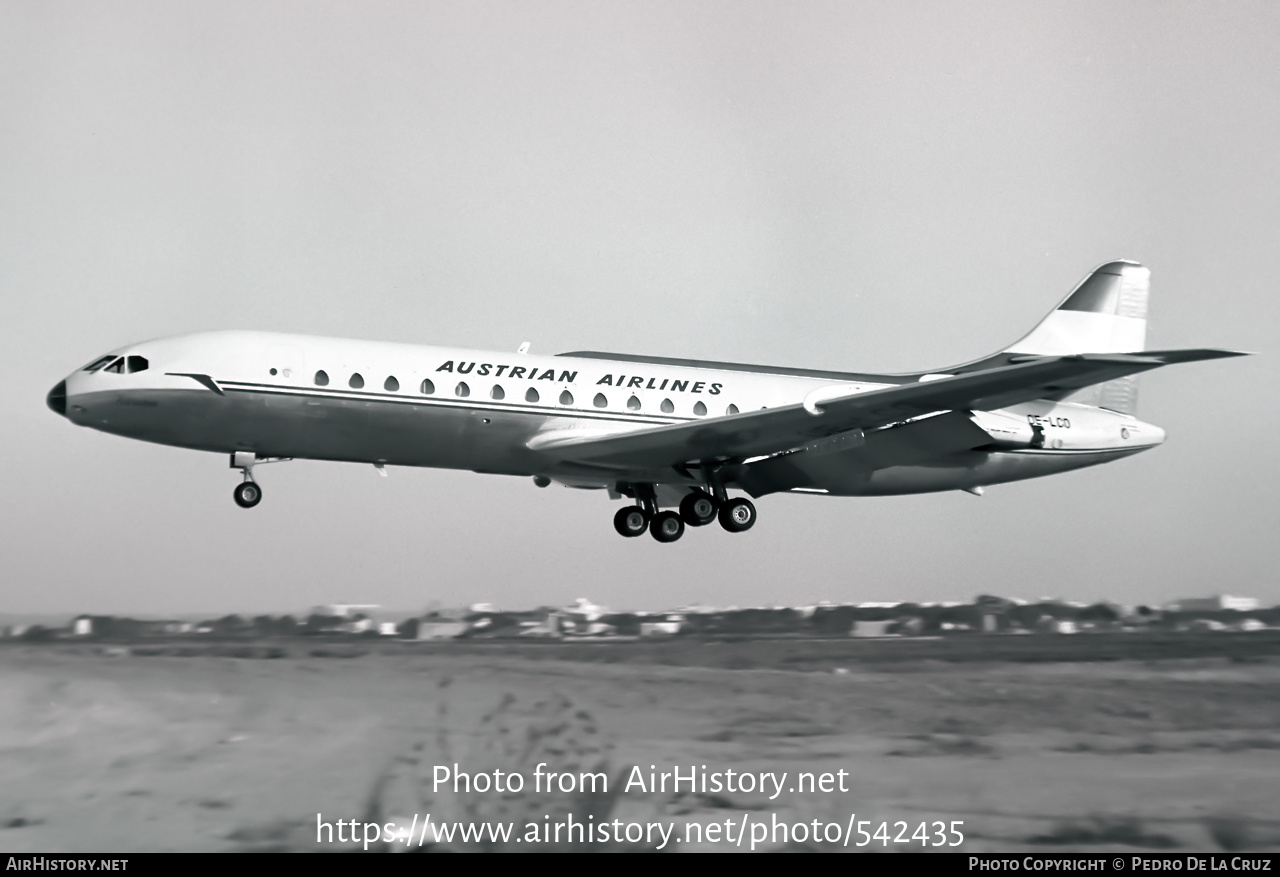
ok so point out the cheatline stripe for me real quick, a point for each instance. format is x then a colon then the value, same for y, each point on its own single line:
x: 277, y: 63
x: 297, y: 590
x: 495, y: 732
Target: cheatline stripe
x: 270, y: 390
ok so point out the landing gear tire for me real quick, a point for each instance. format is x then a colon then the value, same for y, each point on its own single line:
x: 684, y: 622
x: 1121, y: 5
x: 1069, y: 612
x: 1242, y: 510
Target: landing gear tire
x: 631, y: 521
x: 248, y: 494
x: 737, y: 515
x: 698, y: 509
x: 667, y: 527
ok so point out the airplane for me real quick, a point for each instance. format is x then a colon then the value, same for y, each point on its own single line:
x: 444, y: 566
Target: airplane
x: 673, y: 436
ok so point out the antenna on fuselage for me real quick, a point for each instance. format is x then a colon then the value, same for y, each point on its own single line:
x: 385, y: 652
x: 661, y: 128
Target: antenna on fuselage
x: 523, y: 348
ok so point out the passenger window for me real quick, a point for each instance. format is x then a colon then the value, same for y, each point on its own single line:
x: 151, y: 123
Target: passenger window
x: 116, y: 366
x: 633, y: 403
x: 699, y: 409
x: 391, y: 385
x: 566, y: 398
x: 497, y: 392
x: 322, y: 379
x: 98, y: 363
x: 531, y: 396
x: 462, y: 390
x: 599, y: 401
x: 136, y: 364
x: 427, y: 387
x: 667, y: 407
x: 356, y: 382
x: 732, y: 409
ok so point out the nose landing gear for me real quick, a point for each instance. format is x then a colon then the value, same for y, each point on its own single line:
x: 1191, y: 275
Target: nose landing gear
x: 247, y: 493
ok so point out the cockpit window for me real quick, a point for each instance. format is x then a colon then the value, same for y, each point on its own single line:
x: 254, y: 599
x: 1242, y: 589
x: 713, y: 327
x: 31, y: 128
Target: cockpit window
x: 116, y: 367
x: 136, y: 364
x: 99, y: 363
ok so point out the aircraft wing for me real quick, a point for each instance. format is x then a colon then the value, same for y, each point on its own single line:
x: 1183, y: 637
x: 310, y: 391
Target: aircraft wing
x: 836, y: 409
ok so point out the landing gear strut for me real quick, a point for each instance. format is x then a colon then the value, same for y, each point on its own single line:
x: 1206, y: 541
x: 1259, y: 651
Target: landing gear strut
x: 736, y: 515
x: 247, y: 494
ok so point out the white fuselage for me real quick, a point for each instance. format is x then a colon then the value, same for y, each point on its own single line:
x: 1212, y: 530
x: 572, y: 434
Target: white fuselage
x: 278, y: 395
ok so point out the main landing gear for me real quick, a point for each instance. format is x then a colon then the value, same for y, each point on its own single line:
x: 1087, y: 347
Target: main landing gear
x: 738, y: 515
x: 247, y: 493
x: 631, y: 520
x: 697, y: 509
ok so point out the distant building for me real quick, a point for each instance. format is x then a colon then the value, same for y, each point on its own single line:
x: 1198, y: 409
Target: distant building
x: 584, y: 610
x: 590, y: 628
x: 357, y: 624
x: 441, y: 629
x: 863, y: 628
x: 1215, y: 604
x: 1204, y: 624
x: 550, y: 626
x: 344, y: 610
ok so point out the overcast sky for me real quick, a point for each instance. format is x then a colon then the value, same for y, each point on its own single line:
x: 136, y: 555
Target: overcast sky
x: 849, y: 185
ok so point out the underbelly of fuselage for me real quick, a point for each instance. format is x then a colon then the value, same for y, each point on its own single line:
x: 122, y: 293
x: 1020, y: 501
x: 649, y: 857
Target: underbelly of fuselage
x: 968, y: 470
x: 483, y: 437
x: 437, y: 434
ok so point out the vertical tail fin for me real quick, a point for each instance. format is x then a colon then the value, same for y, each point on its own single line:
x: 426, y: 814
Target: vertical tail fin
x: 1106, y: 313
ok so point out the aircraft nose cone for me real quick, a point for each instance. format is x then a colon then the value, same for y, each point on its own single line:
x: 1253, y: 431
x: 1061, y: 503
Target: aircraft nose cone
x: 57, y: 399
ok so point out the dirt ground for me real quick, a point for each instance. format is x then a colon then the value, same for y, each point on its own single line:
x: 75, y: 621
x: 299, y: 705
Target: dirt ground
x: 108, y: 749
